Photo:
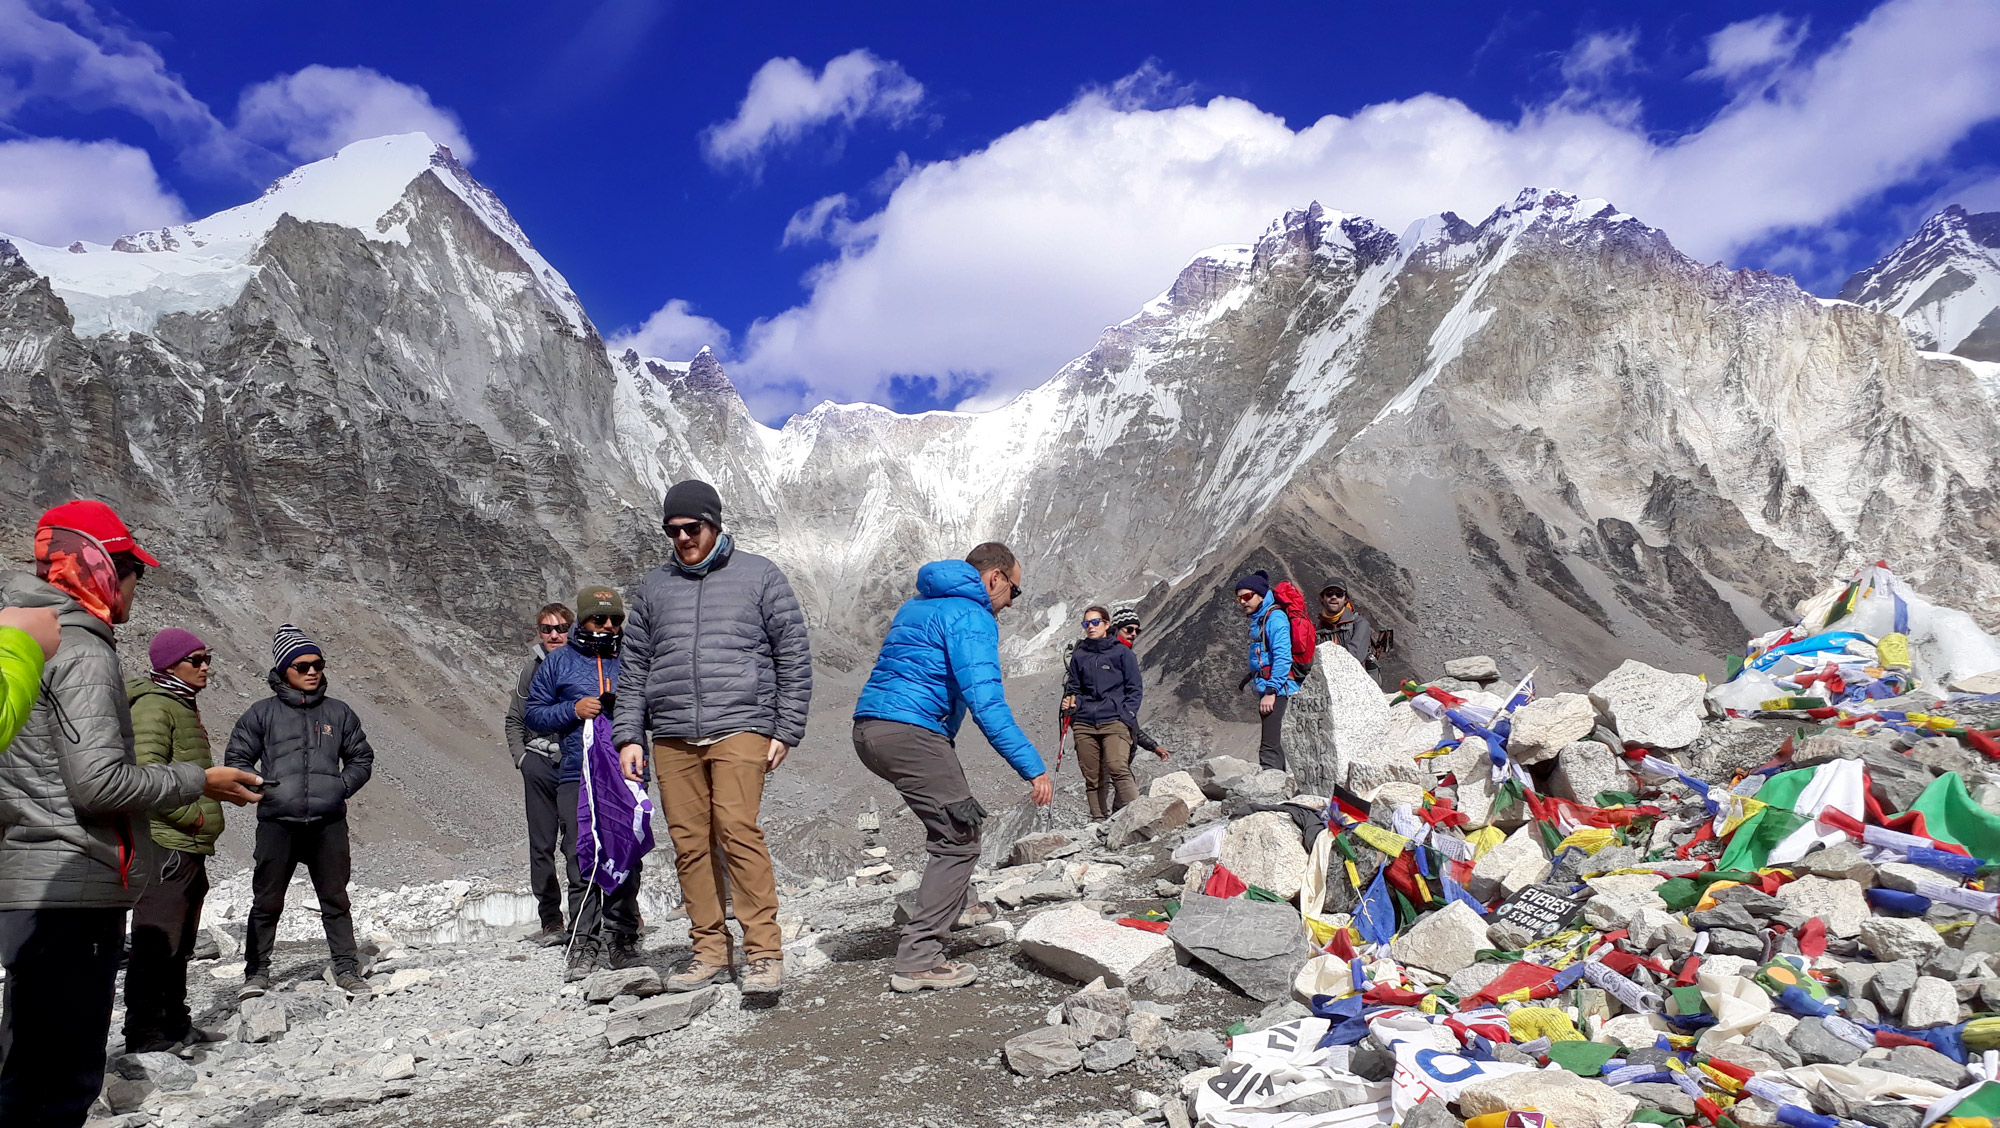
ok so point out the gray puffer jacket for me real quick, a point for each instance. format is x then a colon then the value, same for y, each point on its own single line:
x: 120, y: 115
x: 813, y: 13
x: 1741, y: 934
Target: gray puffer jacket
x: 707, y: 656
x: 69, y: 784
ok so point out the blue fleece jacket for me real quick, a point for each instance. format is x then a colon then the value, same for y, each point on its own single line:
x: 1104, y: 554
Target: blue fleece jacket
x: 942, y: 658
x: 1271, y: 649
x: 567, y: 676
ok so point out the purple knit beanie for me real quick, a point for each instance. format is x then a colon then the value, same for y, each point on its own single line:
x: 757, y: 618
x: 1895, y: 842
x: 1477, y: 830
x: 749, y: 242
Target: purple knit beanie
x: 172, y: 645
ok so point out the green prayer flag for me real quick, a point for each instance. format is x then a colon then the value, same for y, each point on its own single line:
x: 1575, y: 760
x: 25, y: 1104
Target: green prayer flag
x: 1585, y: 1059
x: 1952, y: 815
x: 1259, y: 893
x: 1655, y: 1116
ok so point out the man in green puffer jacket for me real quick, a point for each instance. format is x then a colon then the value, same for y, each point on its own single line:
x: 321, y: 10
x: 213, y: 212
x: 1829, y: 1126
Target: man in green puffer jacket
x: 167, y: 729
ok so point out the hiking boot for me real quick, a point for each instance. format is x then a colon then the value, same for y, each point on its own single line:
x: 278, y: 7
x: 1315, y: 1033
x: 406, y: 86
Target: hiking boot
x: 944, y: 975
x: 624, y: 952
x: 255, y: 985
x: 150, y: 1044
x: 977, y: 914
x: 548, y: 936
x: 582, y: 961
x: 764, y: 977
x: 696, y: 975
x: 348, y: 981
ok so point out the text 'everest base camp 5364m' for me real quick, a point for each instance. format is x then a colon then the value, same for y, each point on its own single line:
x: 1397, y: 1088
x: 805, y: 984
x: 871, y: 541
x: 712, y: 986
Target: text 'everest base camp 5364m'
x: 1364, y: 730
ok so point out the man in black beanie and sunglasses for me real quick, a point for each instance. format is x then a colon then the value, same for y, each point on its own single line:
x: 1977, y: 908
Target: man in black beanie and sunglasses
x: 310, y: 748
x: 717, y: 676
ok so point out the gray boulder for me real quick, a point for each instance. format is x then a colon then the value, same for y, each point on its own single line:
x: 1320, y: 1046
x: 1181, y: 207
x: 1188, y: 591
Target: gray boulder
x: 657, y: 1015
x: 1145, y: 819
x: 1042, y: 1053
x: 261, y: 1020
x: 1651, y: 707
x: 1256, y: 945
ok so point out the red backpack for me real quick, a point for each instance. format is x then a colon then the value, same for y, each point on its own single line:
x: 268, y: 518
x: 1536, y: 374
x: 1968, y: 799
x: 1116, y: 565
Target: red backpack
x: 1304, y: 637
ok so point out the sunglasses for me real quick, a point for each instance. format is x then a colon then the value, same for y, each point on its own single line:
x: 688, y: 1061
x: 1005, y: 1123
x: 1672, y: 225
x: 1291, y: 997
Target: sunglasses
x: 688, y: 530
x: 1133, y: 631
x: 600, y: 622
x: 553, y: 628
x: 1016, y: 592
x: 1247, y: 597
x: 1093, y: 622
x: 310, y: 665
x: 198, y: 660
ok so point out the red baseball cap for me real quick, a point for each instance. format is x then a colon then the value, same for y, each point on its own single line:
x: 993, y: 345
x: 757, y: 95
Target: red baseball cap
x: 101, y: 522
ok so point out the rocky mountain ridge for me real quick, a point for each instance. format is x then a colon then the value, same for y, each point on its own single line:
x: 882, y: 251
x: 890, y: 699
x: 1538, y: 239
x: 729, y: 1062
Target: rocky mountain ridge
x: 1546, y: 435
x: 1943, y: 283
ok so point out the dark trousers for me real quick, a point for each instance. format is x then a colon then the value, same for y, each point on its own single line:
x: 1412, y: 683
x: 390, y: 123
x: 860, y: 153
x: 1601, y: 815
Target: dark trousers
x: 596, y: 916
x: 62, y: 975
x: 924, y: 769
x: 164, y: 923
x: 547, y: 833
x: 1271, y: 741
x: 281, y: 848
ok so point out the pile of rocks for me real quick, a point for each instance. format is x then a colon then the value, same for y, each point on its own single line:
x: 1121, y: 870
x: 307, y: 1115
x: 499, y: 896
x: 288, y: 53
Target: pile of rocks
x: 1433, y: 944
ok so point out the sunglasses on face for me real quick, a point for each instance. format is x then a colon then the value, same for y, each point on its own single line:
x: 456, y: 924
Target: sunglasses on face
x: 1247, y: 597
x: 1015, y: 592
x: 688, y: 530
x: 198, y: 660
x: 1133, y: 631
x: 553, y: 628
x: 601, y: 622
x: 1093, y: 622
x: 310, y: 666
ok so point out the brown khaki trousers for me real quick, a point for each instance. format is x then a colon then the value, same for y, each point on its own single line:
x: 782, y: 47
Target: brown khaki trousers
x: 711, y: 793
x: 1104, y: 752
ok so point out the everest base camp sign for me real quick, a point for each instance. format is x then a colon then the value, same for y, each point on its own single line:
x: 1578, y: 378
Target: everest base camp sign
x: 1540, y: 912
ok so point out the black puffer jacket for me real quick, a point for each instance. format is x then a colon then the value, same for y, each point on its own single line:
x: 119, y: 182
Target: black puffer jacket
x: 1104, y: 678
x: 311, y: 744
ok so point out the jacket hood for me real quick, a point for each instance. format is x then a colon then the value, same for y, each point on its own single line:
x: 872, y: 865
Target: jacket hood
x: 943, y: 579
x: 297, y: 698
x: 1098, y: 645
x: 19, y: 589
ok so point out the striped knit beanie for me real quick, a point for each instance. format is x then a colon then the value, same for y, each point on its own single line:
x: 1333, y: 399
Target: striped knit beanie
x: 288, y: 644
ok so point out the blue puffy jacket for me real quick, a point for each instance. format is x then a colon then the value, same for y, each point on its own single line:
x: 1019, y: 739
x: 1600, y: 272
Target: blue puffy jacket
x: 941, y: 657
x: 1271, y: 649
x: 567, y: 676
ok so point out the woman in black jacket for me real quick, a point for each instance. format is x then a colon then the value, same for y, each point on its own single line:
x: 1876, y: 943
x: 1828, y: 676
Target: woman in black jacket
x: 1104, y: 688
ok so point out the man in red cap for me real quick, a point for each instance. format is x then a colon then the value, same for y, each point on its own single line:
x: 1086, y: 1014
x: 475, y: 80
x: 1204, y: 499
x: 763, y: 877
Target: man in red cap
x: 72, y: 781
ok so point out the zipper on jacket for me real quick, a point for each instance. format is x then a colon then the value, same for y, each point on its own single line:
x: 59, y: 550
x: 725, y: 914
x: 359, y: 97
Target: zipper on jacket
x: 694, y: 657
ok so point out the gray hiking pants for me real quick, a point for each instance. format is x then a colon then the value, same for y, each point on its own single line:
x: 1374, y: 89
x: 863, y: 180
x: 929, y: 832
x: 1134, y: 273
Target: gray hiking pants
x: 923, y: 767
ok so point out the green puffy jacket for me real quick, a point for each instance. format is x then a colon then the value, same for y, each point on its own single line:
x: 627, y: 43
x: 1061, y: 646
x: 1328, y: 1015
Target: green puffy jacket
x: 165, y: 731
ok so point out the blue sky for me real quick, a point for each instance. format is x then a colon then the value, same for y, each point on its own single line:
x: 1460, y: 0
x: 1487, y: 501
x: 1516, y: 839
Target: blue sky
x: 930, y: 205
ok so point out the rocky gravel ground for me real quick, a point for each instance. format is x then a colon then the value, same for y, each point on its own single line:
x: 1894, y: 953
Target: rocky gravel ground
x: 484, y: 1031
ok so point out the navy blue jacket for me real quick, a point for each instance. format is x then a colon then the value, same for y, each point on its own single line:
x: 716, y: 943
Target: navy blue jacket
x: 1104, y: 679
x: 941, y: 657
x: 568, y: 675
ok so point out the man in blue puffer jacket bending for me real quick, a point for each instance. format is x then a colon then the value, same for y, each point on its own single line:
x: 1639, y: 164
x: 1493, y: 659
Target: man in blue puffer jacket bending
x: 942, y: 658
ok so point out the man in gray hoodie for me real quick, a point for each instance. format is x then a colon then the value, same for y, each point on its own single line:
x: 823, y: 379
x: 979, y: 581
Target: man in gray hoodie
x: 73, y: 857
x: 717, y: 671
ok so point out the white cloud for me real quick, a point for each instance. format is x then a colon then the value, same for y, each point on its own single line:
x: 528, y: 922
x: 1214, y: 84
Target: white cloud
x: 313, y: 112
x: 77, y: 59
x: 786, y: 101
x: 55, y: 191
x: 1009, y: 260
x: 1750, y: 49
x: 673, y: 332
x: 64, y: 52
x: 824, y: 218
x: 1598, y: 56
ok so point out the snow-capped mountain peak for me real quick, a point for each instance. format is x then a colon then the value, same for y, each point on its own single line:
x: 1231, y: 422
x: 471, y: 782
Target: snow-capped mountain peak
x: 1943, y: 283
x: 129, y: 284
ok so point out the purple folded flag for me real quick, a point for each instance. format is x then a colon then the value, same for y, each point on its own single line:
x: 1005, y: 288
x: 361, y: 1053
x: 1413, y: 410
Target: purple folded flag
x: 614, y: 816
